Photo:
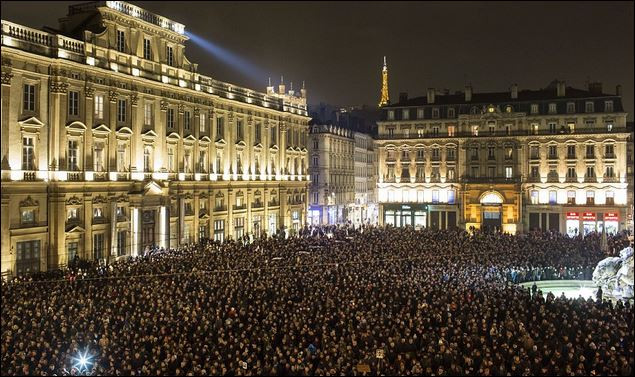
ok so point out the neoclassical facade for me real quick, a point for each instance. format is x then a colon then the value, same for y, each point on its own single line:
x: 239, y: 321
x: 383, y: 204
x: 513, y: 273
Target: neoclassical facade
x: 113, y: 142
x: 364, y: 210
x: 553, y: 158
x: 331, y: 152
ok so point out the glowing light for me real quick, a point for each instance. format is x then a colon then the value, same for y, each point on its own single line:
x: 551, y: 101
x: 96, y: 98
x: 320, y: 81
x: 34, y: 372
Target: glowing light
x: 137, y: 176
x: 114, y: 67
x: 182, y: 83
x: 229, y: 58
x: 16, y: 175
x: 82, y: 361
x: 113, y: 176
x: 165, y: 79
x: 90, y: 60
x: 135, y: 71
x: 197, y: 87
x: 135, y: 231
x: 62, y: 54
x: 160, y: 176
x: 181, y: 176
x: 90, y: 175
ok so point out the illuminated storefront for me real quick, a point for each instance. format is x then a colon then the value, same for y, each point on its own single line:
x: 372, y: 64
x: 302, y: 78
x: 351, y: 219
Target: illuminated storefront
x: 573, y: 224
x: 401, y: 215
x: 611, y: 222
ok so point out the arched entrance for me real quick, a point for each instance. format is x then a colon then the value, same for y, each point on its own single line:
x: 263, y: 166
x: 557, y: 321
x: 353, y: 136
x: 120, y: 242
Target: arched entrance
x: 491, y: 211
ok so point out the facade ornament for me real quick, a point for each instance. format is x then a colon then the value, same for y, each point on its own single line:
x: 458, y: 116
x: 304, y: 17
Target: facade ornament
x: 6, y: 78
x: 164, y: 105
x: 74, y: 201
x: 112, y: 96
x: 134, y: 98
x: 100, y: 199
x: 122, y: 198
x: 89, y: 92
x: 181, y: 108
x: 196, y: 111
x: 58, y: 87
x: 29, y: 202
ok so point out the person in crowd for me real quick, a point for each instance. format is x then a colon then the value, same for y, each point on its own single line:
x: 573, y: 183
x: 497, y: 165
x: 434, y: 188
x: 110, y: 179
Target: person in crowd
x: 433, y: 302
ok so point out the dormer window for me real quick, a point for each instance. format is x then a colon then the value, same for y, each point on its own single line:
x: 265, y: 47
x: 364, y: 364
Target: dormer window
x: 391, y: 115
x: 570, y: 107
x: 405, y: 114
x: 588, y: 107
x: 435, y: 113
x: 121, y: 41
x: 534, y: 108
x: 552, y: 108
x: 451, y: 113
x: 608, y: 106
x: 419, y: 113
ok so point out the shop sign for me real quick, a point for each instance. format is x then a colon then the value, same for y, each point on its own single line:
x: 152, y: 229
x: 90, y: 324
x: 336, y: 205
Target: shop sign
x: 573, y: 216
x: 588, y: 216
x: 611, y: 216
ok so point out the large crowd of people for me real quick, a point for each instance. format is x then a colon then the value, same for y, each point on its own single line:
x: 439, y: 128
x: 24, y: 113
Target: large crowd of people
x: 356, y: 302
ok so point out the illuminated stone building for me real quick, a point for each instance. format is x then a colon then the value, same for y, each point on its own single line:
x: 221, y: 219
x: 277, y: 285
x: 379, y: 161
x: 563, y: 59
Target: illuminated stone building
x: 553, y: 158
x: 332, y: 174
x: 113, y: 142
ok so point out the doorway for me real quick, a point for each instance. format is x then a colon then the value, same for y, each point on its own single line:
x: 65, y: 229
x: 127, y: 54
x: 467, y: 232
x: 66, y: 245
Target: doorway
x: 491, y: 220
x: 147, y: 229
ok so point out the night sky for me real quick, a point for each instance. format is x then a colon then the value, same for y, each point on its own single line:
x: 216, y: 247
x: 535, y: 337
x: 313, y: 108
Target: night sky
x: 338, y: 47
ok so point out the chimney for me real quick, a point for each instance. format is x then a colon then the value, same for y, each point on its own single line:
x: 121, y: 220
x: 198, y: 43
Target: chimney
x: 403, y: 97
x: 468, y: 93
x: 303, y: 91
x: 281, y: 87
x: 560, y: 89
x: 595, y: 87
x: 430, y: 95
x: 291, y: 91
x: 270, y: 89
x: 514, y: 90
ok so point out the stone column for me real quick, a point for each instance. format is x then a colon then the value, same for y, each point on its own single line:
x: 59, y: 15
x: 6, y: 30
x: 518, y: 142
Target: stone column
x: 164, y: 226
x: 264, y: 226
x: 249, y: 219
x: 112, y: 139
x: 229, y: 229
x: 6, y: 102
x: 58, y: 118
x: 135, y: 225
x: 135, y: 141
x: 181, y: 239
x: 89, y: 164
x: 88, y: 251
x: 8, y: 256
x: 196, y: 215
x: 57, y: 232
x: 113, y: 230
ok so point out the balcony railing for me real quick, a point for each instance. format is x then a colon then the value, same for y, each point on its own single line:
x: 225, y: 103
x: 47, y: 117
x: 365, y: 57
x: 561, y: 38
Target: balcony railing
x: 239, y: 208
x: 590, y: 179
x: 469, y: 179
x: 609, y: 155
x: 571, y: 157
x: 610, y: 179
x: 74, y: 176
x: 579, y: 131
x: 220, y: 208
x: 29, y: 176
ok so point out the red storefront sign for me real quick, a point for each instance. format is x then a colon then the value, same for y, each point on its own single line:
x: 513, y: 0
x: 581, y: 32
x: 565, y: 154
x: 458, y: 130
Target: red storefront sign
x: 573, y: 216
x: 588, y: 216
x: 611, y: 216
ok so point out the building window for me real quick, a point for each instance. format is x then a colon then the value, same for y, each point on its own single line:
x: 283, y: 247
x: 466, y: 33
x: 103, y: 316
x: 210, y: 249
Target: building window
x: 608, y: 106
x: 202, y: 123
x: 491, y: 172
x: 121, y: 243
x: 27, y: 216
x: 590, y: 197
x: 451, y: 154
x: 27, y: 257
x: 73, y: 103
x: 435, y: 153
x: 419, y: 113
x: 588, y: 107
x: 590, y: 151
x: 571, y: 174
x: 451, y: 196
x: 534, y: 196
x: 571, y: 107
x: 475, y: 130
x: 98, y: 212
x: 274, y: 135
x: 98, y: 159
x: 571, y: 151
x: 590, y: 171
x: 553, y: 151
x: 186, y: 120
x: 171, y: 159
x: 121, y: 110
x: 220, y: 128
x: 239, y: 130
x: 609, y: 151
x: 72, y: 214
x: 170, y: 118
x: 391, y: 115
x: 534, y: 108
x: 99, y: 107
x: 202, y: 161
x: 552, y: 108
x: 121, y: 157
x: 147, y: 158
x: 147, y: 49
x: 29, y: 97
x: 509, y: 172
x: 405, y: 114
x: 553, y: 197
x: 609, y: 171
x: 451, y: 113
x: 553, y: 127
x: 435, y: 196
x: 28, y: 154
x: 450, y: 174
x: 239, y: 227
x: 435, y: 112
x: 490, y: 153
x: 610, y: 200
x: 509, y: 153
x: 73, y: 155
x: 258, y: 132
x: 121, y: 41
x: 609, y: 125
x: 571, y: 197
x: 474, y: 153
x: 147, y: 114
x: 219, y: 230
x: 170, y: 56
x: 451, y: 131
x: 534, y: 172
x: 474, y: 172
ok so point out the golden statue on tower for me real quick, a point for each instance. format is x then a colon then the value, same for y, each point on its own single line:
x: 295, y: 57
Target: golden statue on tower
x: 384, y: 85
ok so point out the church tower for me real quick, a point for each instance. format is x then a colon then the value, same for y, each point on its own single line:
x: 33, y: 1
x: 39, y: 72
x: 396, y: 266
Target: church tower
x: 384, y: 85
